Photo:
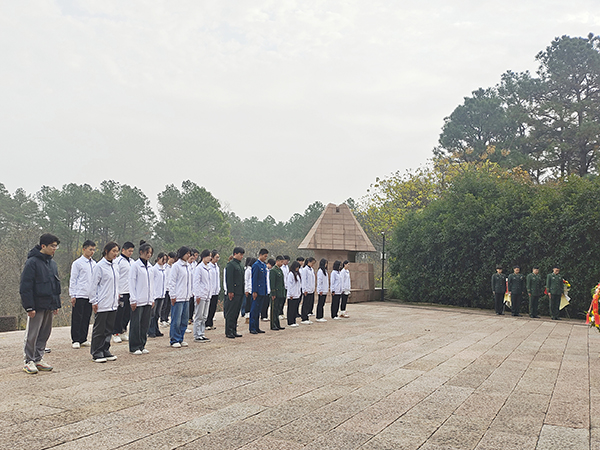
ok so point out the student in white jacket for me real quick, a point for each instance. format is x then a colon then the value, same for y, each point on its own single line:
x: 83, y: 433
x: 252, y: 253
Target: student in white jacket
x: 345, y: 275
x: 308, y: 289
x: 141, y: 298
x: 123, y: 263
x: 294, y: 291
x: 159, y: 277
x: 216, y: 289
x: 104, y: 297
x: 322, y: 289
x: 202, y: 292
x: 247, y: 301
x: 336, y: 289
x: 180, y: 291
x: 79, y: 291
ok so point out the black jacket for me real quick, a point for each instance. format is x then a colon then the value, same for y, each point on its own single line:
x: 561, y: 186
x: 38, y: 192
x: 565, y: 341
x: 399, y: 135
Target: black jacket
x: 40, y: 285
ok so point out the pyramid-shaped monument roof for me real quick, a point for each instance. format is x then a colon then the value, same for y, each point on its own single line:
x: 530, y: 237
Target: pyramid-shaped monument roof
x: 337, y: 229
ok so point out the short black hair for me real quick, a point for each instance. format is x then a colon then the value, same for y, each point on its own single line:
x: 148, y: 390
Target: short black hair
x: 300, y: 258
x: 498, y: 267
x: 263, y: 251
x: 172, y: 255
x: 516, y: 267
x: 237, y: 250
x: 108, y: 247
x: 194, y: 251
x: 279, y: 258
x: 127, y: 245
x: 286, y: 257
x: 536, y: 267
x: 47, y: 239
x: 160, y: 255
x: 88, y: 243
x: 310, y: 259
x: 271, y: 261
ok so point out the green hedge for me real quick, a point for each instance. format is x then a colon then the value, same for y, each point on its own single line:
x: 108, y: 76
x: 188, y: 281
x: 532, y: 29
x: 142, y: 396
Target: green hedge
x: 447, y: 252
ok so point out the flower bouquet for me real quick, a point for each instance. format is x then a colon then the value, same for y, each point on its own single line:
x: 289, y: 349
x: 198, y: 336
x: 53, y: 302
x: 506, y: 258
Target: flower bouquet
x: 565, y: 300
x: 592, y: 318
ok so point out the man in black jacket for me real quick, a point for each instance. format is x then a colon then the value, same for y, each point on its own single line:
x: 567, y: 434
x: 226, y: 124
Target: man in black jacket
x: 40, y: 297
x: 234, y: 279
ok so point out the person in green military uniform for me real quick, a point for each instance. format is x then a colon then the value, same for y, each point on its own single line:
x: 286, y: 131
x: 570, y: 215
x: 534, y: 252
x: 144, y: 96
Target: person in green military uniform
x: 516, y: 287
x: 278, y: 292
x: 499, y: 289
x: 554, y: 287
x: 535, y: 289
x: 234, y: 279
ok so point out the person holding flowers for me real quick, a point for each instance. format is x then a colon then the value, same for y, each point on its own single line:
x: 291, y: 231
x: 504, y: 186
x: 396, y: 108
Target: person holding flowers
x: 499, y: 289
x: 554, y: 288
x: 516, y: 287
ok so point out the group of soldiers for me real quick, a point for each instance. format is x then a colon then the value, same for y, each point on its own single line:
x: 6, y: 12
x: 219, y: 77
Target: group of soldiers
x: 532, y: 286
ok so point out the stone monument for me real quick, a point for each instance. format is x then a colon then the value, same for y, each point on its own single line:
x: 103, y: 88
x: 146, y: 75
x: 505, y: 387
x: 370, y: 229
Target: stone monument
x: 337, y: 235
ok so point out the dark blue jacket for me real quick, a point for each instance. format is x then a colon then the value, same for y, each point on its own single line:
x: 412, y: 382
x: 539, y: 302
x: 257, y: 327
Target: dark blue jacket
x: 259, y: 277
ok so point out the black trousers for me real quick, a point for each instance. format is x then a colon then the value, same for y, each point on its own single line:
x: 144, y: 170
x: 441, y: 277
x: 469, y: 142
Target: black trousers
x: 307, y: 305
x: 138, y: 331
x: 344, y: 302
x: 276, y: 304
x: 292, y: 309
x: 231, y: 308
x: 166, y: 308
x: 104, y: 324
x: 212, y: 309
x: 80, y: 320
x: 192, y: 306
x: 335, y: 305
x: 123, y: 315
x: 498, y: 302
x: 156, y: 311
x: 264, y: 309
x: 321, y: 305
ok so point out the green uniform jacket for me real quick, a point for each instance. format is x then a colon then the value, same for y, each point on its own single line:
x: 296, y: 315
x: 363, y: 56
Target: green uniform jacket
x: 499, y: 282
x: 516, y: 283
x: 535, y: 286
x: 554, y: 284
x: 277, y: 283
x: 235, y: 277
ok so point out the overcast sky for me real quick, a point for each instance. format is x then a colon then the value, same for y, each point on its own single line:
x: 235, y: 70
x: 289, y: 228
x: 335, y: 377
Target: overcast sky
x: 270, y: 105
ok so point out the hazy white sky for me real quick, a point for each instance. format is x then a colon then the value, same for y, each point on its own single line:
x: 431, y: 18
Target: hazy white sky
x: 270, y: 105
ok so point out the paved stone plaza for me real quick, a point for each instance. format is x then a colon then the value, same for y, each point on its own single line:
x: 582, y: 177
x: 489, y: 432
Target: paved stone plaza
x: 389, y: 377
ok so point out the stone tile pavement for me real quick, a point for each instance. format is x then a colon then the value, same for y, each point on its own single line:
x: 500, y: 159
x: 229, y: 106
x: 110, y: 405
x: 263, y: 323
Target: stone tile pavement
x: 390, y: 377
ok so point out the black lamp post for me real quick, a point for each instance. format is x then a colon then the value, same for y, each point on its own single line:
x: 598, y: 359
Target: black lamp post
x: 383, y: 268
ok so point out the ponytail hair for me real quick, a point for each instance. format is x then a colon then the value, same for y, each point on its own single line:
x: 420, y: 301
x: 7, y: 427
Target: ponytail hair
x: 336, y: 265
x: 108, y: 247
x: 182, y: 251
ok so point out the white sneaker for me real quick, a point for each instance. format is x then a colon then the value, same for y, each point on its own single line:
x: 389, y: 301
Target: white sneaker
x: 294, y: 325
x: 176, y: 345
x: 124, y: 337
x: 137, y: 352
x: 321, y: 320
x: 111, y: 358
x: 43, y: 366
x: 281, y: 317
x: 99, y: 360
x: 30, y: 367
x: 184, y: 344
x: 85, y: 344
x: 188, y: 330
x: 76, y: 345
x: 144, y: 351
x: 337, y: 318
x: 117, y: 339
x: 265, y: 320
x: 209, y: 328
x: 310, y: 314
x: 306, y: 322
x: 343, y: 314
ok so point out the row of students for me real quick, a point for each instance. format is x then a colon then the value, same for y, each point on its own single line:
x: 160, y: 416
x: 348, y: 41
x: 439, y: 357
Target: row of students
x: 176, y: 282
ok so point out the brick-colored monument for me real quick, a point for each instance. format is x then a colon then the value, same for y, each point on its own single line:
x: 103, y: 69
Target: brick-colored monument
x: 337, y: 235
